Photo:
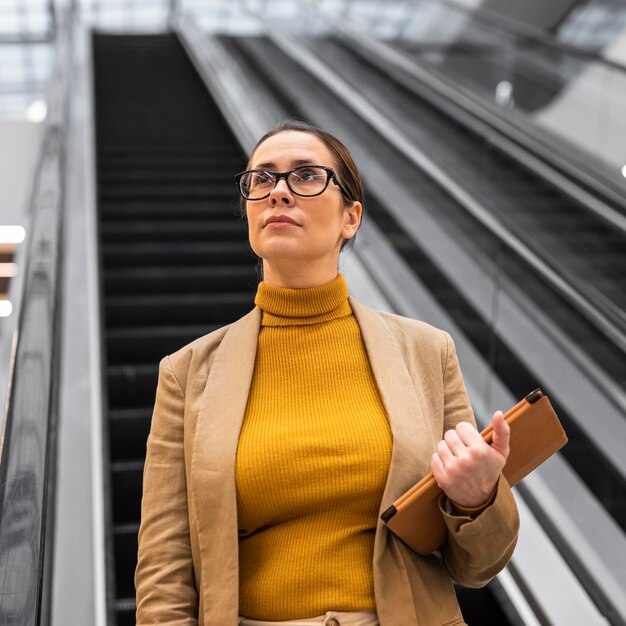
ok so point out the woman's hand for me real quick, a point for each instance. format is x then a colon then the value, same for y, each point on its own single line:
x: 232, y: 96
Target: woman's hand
x: 465, y: 467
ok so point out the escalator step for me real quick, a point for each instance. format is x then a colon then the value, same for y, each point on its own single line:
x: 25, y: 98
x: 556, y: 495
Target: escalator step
x: 141, y: 345
x: 179, y: 309
x: 194, y: 279
x: 125, y: 542
x: 138, y: 231
x: 125, y: 611
x: 128, y: 432
x: 175, y: 258
x: 131, y: 386
x: 127, y: 480
x: 169, y: 158
x: 167, y: 191
x: 120, y: 255
x: 163, y: 209
x: 216, y: 172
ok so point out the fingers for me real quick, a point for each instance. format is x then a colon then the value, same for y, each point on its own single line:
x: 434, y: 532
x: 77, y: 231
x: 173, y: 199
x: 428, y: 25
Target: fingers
x: 465, y: 438
x: 501, y: 434
x: 436, y: 465
x: 445, y: 454
x: 465, y: 466
x: 469, y: 435
x: 455, y: 443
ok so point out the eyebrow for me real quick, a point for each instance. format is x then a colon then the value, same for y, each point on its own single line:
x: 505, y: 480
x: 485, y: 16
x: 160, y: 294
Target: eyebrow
x: 294, y: 163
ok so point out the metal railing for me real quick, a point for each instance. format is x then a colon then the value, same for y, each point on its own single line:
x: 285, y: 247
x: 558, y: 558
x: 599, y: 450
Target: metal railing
x: 28, y: 430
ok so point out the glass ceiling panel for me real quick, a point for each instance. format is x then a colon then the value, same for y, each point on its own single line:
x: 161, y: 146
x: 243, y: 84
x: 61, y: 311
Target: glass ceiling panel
x: 26, y: 30
x: 25, y: 19
x: 24, y: 71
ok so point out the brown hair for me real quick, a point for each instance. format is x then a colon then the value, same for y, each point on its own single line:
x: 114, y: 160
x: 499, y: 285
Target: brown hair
x: 345, y: 167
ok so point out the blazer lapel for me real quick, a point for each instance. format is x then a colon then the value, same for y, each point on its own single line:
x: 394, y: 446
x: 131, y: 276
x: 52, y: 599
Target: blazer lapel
x: 213, y: 468
x: 410, y: 426
x: 410, y: 459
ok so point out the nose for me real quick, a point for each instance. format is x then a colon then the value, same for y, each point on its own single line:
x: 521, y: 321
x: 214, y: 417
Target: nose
x: 281, y: 194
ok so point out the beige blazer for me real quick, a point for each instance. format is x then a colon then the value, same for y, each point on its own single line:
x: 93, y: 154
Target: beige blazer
x: 187, y: 571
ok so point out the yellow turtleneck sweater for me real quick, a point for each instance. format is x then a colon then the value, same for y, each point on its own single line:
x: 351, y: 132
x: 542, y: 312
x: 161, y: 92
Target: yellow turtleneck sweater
x: 312, y: 461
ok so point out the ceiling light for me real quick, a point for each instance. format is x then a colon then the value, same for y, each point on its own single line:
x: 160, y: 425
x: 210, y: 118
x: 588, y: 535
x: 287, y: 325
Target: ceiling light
x: 504, y: 93
x: 37, y: 111
x: 12, y: 234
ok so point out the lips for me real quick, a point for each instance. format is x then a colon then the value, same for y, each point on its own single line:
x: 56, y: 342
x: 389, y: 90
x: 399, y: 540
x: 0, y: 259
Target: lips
x: 280, y: 218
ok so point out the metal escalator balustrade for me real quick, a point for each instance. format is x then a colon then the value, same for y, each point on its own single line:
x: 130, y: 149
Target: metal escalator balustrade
x: 30, y: 346
x: 175, y: 262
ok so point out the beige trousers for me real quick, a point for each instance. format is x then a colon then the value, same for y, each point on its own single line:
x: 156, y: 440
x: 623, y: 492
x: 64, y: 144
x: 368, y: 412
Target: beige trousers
x: 330, y: 618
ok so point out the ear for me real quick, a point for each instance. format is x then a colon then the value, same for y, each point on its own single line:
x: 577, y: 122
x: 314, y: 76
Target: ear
x: 351, y: 219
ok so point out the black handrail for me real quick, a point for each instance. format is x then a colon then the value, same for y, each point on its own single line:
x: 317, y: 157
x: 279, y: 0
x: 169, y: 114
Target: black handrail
x: 28, y: 450
x: 529, y: 32
x: 516, y: 28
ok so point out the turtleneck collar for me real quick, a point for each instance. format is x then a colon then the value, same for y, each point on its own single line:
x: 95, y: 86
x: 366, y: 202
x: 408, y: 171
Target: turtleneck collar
x: 290, y: 307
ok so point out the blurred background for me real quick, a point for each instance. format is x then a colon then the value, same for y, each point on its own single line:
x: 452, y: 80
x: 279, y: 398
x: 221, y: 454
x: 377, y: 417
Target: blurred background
x: 491, y: 136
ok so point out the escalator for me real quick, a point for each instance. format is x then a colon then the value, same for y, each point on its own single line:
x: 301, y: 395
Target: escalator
x: 175, y: 262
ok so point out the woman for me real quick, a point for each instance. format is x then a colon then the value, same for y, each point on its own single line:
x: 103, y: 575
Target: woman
x: 277, y: 441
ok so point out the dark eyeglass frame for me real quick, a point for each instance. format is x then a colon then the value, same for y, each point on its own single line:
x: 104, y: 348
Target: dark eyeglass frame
x: 330, y: 175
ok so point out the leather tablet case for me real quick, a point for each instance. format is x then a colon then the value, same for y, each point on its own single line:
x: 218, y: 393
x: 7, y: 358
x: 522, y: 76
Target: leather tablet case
x: 536, y: 434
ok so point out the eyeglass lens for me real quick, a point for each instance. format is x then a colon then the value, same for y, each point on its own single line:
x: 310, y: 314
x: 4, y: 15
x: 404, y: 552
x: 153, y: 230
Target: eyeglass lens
x: 303, y: 181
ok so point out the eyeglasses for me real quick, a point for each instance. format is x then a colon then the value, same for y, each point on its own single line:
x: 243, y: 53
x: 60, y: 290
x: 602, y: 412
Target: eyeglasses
x: 306, y: 181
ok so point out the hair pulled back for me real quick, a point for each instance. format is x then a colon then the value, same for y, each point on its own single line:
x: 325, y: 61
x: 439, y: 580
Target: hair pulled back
x: 344, y: 166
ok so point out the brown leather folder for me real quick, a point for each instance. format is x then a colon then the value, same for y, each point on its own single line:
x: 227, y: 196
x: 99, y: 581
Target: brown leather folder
x: 536, y: 434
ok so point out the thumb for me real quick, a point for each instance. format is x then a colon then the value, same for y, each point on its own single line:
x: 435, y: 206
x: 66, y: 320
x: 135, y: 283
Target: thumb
x: 501, y: 434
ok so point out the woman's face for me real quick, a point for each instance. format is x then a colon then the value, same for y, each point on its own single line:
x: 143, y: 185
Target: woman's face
x: 314, y: 228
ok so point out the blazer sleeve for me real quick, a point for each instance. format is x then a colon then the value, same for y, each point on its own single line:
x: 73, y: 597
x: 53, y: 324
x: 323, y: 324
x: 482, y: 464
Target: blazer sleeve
x: 480, y: 546
x: 164, y: 578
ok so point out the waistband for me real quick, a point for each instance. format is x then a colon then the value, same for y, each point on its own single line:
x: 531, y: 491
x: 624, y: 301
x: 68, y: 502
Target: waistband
x: 330, y: 618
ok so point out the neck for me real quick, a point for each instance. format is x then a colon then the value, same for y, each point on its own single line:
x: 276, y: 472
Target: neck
x: 297, y: 277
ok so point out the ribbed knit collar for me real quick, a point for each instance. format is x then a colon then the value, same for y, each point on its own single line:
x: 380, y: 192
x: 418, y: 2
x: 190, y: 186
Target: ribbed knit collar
x: 291, y: 307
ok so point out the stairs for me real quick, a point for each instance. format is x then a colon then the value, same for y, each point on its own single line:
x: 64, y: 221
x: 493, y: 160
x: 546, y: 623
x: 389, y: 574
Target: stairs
x: 175, y: 261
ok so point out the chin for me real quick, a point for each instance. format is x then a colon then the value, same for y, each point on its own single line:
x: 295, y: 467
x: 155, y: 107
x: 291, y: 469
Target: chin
x: 280, y: 249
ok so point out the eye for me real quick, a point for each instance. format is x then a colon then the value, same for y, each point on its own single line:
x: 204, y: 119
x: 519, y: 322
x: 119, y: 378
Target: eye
x: 308, y: 174
x: 261, y: 178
